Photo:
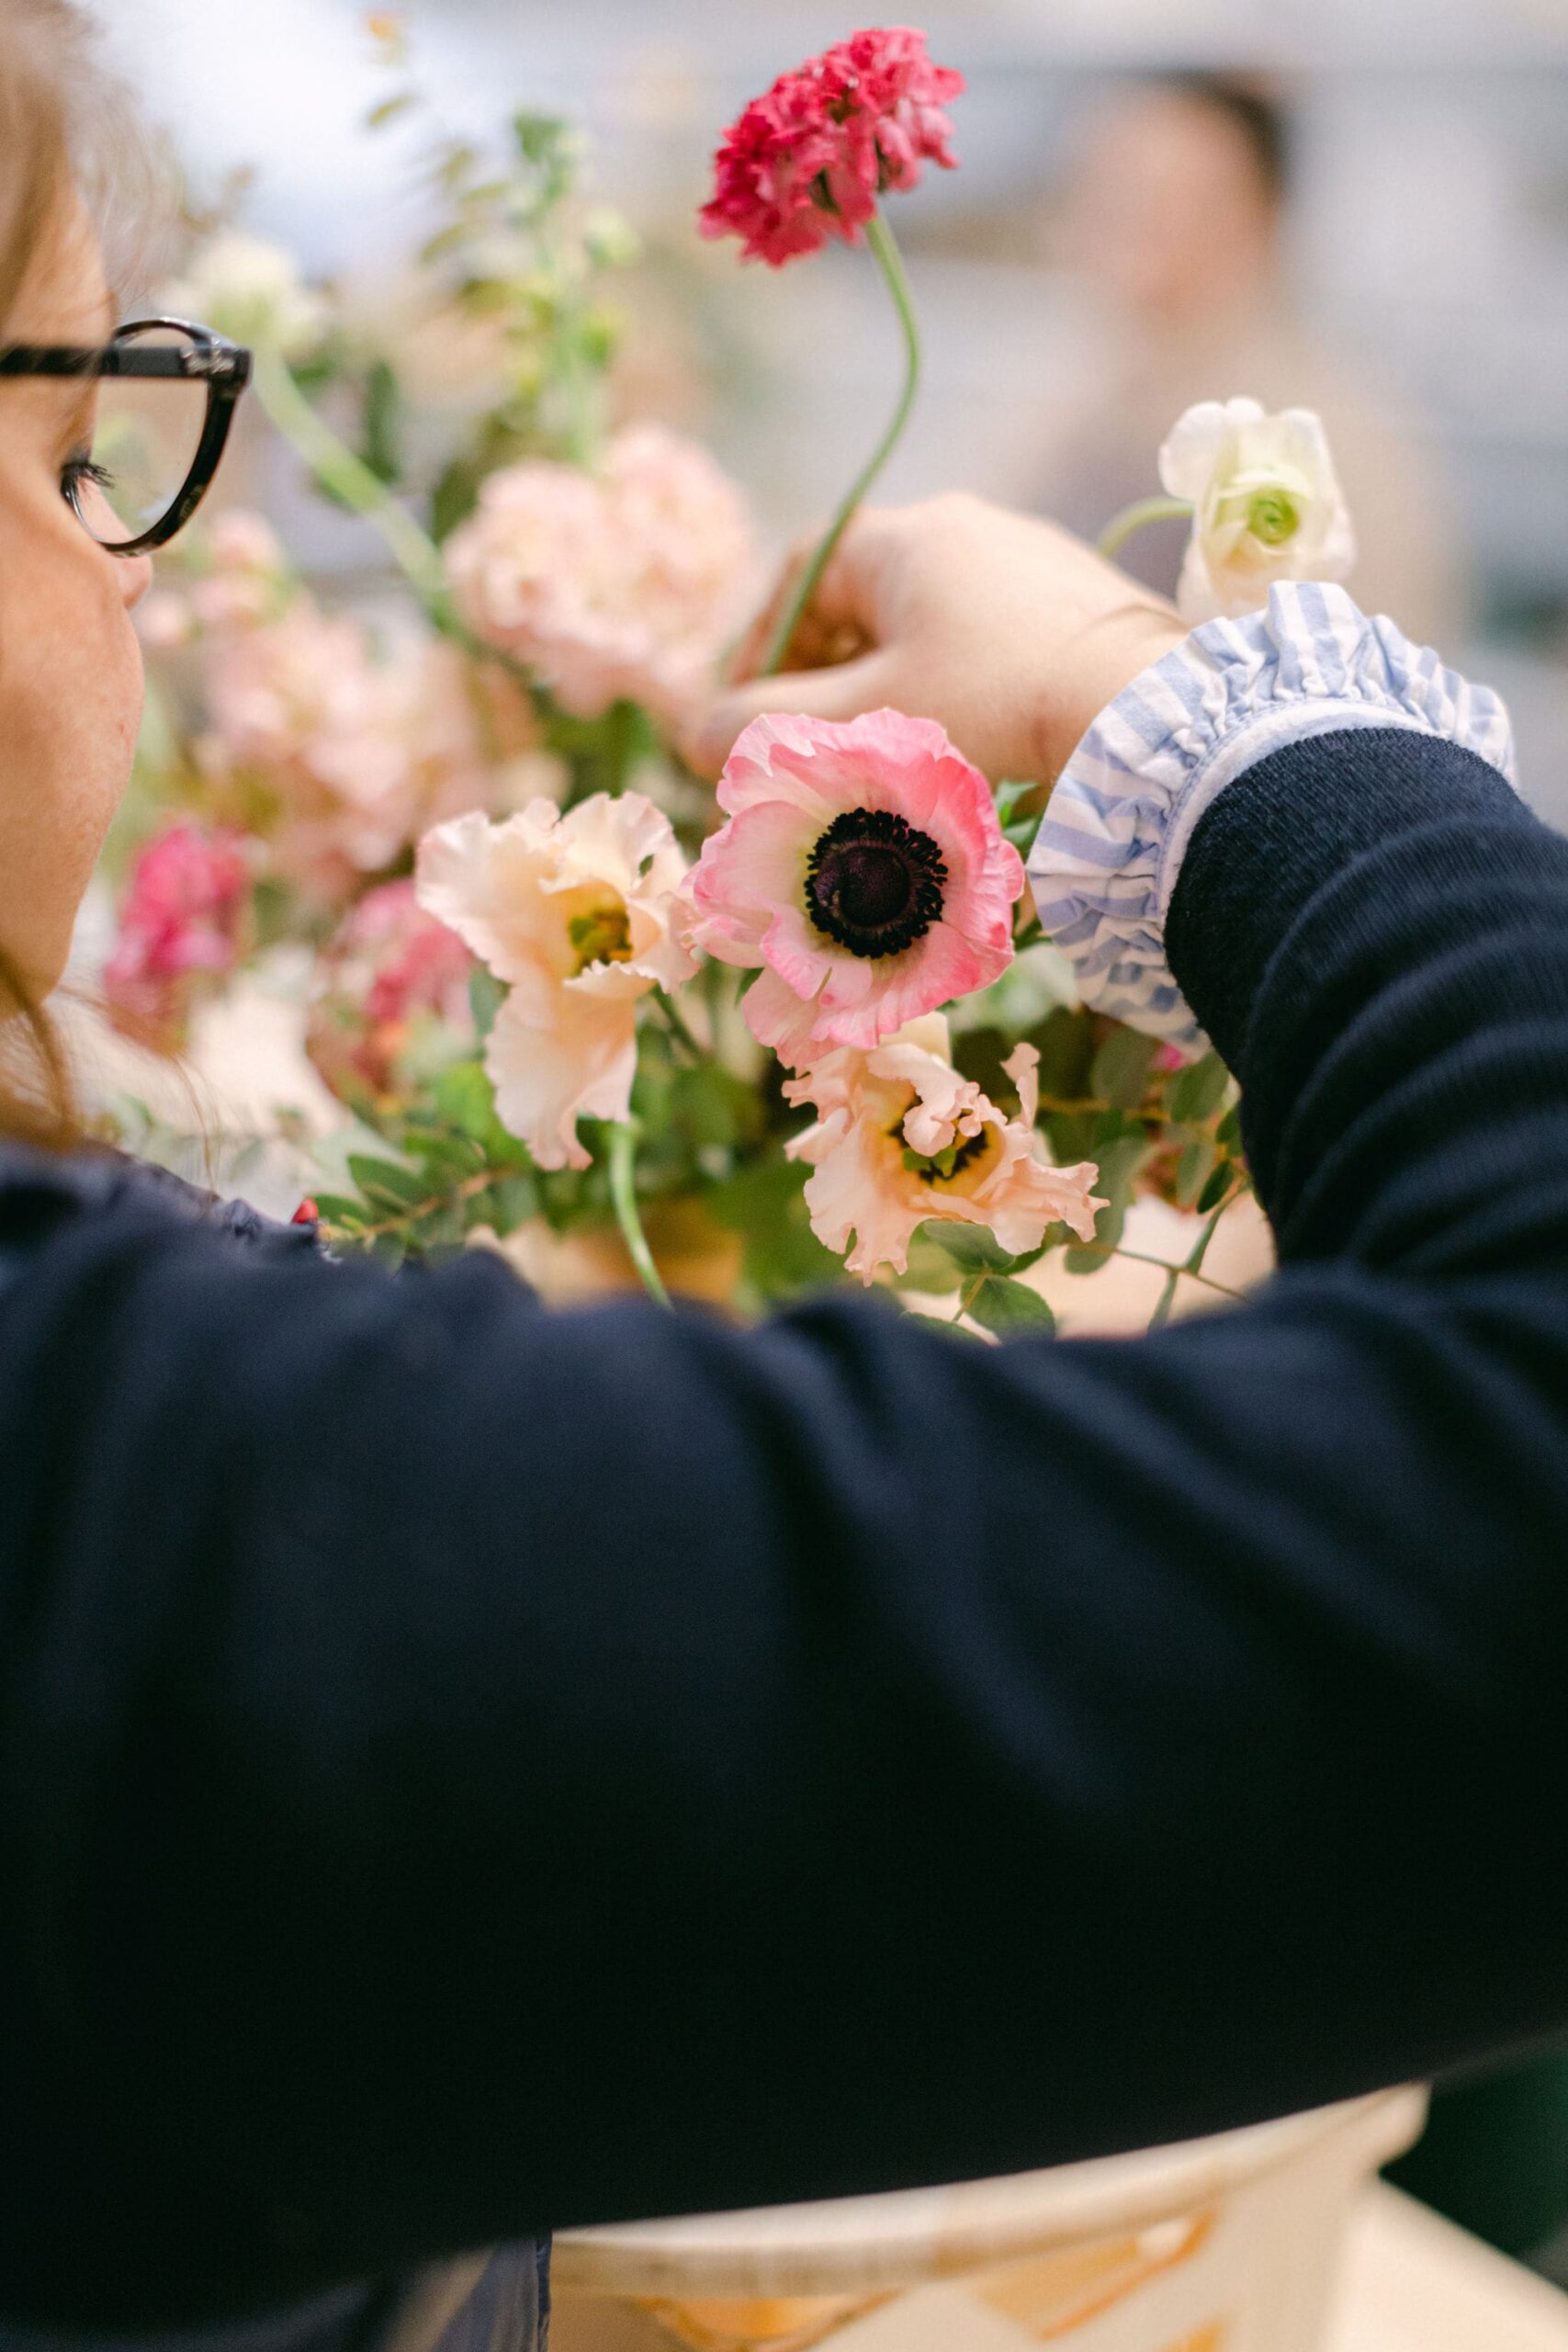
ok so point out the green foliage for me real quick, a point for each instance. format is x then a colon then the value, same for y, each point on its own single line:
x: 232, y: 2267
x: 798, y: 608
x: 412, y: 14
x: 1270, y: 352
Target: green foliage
x: 486, y: 996
x: 764, y: 1202
x: 1008, y: 1308
x: 1196, y: 1092
x: 1120, y: 1070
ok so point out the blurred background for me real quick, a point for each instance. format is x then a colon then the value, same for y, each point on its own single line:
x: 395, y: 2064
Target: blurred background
x: 1357, y: 204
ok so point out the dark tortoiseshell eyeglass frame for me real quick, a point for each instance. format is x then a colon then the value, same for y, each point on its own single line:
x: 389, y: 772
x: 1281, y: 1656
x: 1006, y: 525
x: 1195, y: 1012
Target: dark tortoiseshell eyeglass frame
x: 204, y: 358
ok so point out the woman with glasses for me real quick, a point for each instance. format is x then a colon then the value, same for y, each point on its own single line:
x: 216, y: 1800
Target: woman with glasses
x: 440, y: 1801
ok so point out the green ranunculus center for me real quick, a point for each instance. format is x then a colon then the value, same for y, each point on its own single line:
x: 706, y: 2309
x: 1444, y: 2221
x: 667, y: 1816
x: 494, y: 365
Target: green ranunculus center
x: 1271, y: 518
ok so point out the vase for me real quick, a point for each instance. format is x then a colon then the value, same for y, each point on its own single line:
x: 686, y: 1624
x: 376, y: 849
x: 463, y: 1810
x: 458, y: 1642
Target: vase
x: 1224, y: 2244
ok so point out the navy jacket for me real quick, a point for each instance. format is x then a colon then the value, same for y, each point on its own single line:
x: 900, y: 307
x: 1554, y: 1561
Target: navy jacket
x: 464, y: 1769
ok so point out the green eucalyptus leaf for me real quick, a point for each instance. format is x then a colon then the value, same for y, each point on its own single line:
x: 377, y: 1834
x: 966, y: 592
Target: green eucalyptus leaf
x: 1195, y: 1168
x: 972, y: 1247
x: 1121, y: 1068
x: 388, y: 1185
x: 389, y: 1250
x: 1005, y: 1306
x: 336, y: 1208
x: 1214, y: 1191
x: 1196, y: 1092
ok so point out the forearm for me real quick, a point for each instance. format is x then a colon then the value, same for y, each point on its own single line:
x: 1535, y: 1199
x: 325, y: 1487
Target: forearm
x: 526, y: 1770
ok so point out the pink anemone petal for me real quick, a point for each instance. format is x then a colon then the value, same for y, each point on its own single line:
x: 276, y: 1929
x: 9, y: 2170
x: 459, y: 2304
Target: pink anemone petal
x: 780, y: 1020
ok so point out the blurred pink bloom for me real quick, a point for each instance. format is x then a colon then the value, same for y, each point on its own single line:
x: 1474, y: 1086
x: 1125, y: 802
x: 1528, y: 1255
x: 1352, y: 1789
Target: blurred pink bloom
x: 181, y: 927
x: 808, y: 159
x: 361, y: 750
x: 392, y: 992
x: 901, y: 1138
x: 573, y: 912
x: 1167, y: 1058
x: 249, y: 580
x: 166, y: 621
x: 863, y: 867
x: 624, y: 582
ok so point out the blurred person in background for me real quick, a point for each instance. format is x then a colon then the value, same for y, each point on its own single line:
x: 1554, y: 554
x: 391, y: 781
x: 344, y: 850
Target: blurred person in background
x: 1176, y: 221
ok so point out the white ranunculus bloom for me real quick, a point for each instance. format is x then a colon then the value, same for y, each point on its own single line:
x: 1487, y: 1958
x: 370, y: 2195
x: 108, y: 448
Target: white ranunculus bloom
x: 250, y: 288
x: 1266, y: 501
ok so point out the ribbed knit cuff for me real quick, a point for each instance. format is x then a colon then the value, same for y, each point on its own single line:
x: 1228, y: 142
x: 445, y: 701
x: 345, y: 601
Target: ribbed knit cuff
x: 1108, y: 851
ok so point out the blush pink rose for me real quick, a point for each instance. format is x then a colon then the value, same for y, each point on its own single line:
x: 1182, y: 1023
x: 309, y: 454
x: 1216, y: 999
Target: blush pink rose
x: 864, y: 869
x: 808, y: 159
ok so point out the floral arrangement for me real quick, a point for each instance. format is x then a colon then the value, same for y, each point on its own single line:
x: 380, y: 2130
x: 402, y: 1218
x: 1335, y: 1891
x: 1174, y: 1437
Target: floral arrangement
x: 556, y: 982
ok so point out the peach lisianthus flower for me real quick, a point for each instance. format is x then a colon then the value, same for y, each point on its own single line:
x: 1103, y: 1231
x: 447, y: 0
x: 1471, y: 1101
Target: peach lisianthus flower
x: 573, y: 913
x: 864, y: 869
x: 901, y: 1138
x: 624, y: 582
x: 1266, y: 502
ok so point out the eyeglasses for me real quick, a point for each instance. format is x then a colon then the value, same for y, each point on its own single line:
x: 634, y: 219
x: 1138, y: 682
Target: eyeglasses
x: 166, y: 396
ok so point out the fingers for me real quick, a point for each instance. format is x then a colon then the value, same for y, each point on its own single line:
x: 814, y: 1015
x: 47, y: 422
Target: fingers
x: 841, y: 693
x: 843, y: 615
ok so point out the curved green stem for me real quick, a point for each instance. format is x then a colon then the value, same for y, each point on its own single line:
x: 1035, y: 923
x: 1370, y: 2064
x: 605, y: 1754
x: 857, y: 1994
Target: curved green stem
x: 623, y: 1193
x: 1132, y: 519
x: 679, y: 1028
x: 348, y: 478
x: 889, y: 260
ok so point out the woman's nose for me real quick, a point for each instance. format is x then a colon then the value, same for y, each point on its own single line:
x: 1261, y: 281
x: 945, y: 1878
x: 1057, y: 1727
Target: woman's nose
x: 136, y: 578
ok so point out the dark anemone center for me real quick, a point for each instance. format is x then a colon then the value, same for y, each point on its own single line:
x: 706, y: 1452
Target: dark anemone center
x: 873, y: 882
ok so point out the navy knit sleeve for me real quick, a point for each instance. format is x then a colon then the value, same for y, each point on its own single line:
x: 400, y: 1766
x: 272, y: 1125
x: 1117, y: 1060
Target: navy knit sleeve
x: 463, y: 1770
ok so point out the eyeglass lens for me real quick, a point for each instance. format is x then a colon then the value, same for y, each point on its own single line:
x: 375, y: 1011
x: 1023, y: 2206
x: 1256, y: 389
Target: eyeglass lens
x: 145, y: 442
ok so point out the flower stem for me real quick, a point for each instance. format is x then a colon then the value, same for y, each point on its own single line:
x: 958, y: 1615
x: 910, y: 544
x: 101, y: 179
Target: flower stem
x: 889, y: 260
x: 679, y: 1028
x: 349, y: 479
x: 1132, y: 519
x: 623, y: 1193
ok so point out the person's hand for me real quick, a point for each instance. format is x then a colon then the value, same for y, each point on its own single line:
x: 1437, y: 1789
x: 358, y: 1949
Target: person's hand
x: 1011, y: 633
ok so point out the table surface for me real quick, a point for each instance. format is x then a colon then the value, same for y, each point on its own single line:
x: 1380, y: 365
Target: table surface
x: 1414, y: 2283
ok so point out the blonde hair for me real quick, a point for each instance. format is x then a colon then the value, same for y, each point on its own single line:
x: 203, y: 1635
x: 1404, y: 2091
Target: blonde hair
x: 62, y: 123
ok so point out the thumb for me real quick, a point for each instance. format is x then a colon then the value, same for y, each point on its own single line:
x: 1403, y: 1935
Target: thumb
x: 709, y: 737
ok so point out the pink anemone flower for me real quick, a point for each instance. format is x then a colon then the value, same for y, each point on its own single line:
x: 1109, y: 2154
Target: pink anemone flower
x: 864, y: 869
x: 902, y: 1139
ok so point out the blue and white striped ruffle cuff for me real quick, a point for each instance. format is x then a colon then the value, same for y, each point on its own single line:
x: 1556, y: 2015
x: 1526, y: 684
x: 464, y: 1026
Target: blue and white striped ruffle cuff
x: 1109, y: 850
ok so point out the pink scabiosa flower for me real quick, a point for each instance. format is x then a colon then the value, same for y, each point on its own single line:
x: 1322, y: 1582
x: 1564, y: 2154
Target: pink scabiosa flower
x: 391, y: 999
x: 182, y: 928
x: 901, y: 1139
x: 864, y: 869
x: 574, y: 913
x: 624, y: 582
x: 808, y: 159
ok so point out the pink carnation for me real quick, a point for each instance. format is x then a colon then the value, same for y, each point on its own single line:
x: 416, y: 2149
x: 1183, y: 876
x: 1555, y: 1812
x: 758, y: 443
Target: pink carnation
x: 863, y: 868
x: 360, y: 751
x: 626, y: 581
x: 181, y: 928
x: 901, y: 1140
x: 392, y: 982
x: 810, y: 159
